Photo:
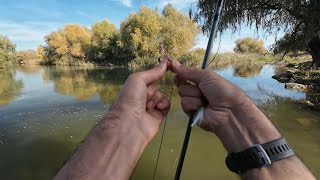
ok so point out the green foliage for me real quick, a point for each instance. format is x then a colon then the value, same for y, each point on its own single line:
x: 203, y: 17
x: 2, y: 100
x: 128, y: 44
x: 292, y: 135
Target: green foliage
x: 7, y: 52
x: 142, y: 63
x: 250, y: 45
x: 178, y: 31
x: 299, y: 20
x: 193, y: 58
x: 68, y: 44
x: 104, y: 41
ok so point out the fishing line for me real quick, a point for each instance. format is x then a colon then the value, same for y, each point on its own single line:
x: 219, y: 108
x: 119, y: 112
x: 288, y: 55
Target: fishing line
x: 215, y: 56
x: 162, y: 136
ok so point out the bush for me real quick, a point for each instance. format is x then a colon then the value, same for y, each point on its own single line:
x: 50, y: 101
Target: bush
x: 7, y: 52
x: 142, y: 63
x: 250, y: 45
x: 194, y: 58
x: 28, y: 57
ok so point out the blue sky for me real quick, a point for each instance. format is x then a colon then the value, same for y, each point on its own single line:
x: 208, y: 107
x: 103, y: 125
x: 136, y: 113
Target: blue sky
x: 26, y: 22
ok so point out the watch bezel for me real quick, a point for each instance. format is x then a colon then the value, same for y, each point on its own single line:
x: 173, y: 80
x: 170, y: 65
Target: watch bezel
x: 262, y: 153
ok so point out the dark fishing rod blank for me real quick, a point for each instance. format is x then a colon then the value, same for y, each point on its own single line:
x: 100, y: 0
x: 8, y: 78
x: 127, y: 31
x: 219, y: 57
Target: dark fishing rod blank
x: 213, y: 34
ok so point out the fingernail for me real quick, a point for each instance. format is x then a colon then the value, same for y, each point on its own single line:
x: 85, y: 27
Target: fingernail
x: 150, y: 104
x: 177, y: 62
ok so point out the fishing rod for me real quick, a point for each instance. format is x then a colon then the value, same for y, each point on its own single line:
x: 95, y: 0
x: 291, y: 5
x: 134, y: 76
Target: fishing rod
x: 192, y: 121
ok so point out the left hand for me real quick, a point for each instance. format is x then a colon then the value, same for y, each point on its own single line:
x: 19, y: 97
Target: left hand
x: 140, y: 104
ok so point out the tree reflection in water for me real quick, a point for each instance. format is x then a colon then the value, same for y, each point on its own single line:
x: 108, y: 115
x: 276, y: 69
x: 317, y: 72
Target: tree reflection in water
x: 247, y: 69
x: 84, y: 83
x: 10, y: 88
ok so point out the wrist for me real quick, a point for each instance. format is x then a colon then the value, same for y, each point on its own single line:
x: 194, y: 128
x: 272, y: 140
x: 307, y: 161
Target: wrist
x: 124, y: 126
x: 247, y: 126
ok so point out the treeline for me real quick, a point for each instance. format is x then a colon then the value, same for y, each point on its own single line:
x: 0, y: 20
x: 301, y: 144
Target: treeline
x: 138, y: 42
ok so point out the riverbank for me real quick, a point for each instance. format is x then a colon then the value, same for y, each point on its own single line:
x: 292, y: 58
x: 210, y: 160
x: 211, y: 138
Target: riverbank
x: 300, y: 76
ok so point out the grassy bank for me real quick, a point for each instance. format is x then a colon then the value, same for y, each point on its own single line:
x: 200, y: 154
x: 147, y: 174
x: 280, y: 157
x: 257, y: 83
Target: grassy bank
x: 221, y: 60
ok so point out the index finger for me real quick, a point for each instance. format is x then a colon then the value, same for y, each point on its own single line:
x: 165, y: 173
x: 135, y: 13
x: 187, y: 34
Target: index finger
x: 194, y: 75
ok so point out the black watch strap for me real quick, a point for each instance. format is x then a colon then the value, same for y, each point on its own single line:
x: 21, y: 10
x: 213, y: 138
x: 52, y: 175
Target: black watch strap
x: 259, y: 156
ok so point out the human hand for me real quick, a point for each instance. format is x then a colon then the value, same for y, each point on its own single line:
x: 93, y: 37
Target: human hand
x: 141, y: 105
x: 229, y: 112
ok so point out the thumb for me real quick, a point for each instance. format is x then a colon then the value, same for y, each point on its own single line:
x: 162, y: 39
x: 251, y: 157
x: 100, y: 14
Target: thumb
x: 156, y: 73
x: 194, y: 75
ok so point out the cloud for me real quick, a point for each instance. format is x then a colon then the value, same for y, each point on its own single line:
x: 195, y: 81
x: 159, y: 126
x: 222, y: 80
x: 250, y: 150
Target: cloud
x: 127, y: 3
x: 27, y: 32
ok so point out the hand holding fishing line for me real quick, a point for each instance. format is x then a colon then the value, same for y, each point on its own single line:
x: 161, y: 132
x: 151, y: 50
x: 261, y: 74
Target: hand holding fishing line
x: 224, y: 105
x: 141, y: 100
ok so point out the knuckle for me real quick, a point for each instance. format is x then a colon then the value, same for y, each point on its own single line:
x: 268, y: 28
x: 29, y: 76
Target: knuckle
x: 184, y: 103
x: 133, y: 76
x: 159, y: 94
x: 207, y: 73
x: 181, y: 91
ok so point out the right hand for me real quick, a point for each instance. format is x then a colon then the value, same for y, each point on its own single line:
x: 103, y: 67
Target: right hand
x: 229, y: 112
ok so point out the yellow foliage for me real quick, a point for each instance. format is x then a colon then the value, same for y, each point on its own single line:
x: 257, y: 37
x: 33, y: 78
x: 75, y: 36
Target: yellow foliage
x: 250, y: 45
x: 69, y: 43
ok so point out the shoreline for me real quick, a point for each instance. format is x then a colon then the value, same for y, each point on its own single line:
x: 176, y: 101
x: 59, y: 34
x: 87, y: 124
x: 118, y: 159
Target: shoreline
x: 301, y: 77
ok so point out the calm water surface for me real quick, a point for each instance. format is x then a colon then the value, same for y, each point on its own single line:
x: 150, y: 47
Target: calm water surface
x: 46, y: 112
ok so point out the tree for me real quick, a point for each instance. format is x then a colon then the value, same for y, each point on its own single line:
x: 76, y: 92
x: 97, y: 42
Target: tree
x: 140, y: 33
x: 104, y: 41
x: 250, y: 45
x: 7, y: 52
x: 299, y: 20
x: 41, y: 53
x: 178, y: 31
x: 27, y: 57
x: 70, y: 43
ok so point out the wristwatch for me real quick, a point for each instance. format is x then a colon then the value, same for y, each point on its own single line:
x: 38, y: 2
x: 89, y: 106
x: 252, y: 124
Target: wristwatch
x: 259, y: 156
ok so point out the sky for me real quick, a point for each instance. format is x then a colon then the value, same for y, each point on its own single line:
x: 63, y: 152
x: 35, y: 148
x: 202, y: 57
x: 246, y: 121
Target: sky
x: 26, y: 22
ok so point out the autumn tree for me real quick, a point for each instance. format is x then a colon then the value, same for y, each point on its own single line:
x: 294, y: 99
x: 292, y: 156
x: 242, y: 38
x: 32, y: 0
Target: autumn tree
x: 140, y: 33
x: 299, y: 20
x: 27, y: 57
x: 250, y: 45
x: 41, y: 54
x: 178, y: 31
x: 104, y: 41
x: 7, y: 52
x: 70, y: 43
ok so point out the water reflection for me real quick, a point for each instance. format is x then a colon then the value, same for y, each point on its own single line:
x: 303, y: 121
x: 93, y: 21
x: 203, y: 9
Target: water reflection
x: 29, y: 69
x: 247, y: 70
x: 84, y: 83
x: 10, y: 88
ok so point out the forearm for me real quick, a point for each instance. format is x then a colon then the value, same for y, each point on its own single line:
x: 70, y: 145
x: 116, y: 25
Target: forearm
x: 110, y: 152
x: 248, y: 126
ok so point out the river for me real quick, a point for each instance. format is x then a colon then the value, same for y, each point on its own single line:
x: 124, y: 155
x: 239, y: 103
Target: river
x: 46, y: 112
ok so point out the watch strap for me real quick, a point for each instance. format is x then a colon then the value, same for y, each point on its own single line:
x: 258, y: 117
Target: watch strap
x: 278, y: 149
x: 259, y: 156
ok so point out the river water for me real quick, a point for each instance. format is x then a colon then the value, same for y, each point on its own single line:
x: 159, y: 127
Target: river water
x: 46, y: 112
